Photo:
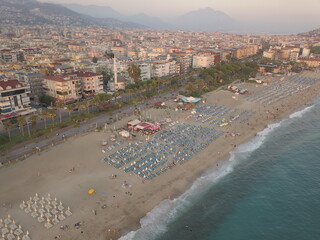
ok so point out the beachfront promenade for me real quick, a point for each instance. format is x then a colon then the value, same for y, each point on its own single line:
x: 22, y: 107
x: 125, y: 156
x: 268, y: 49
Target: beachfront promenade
x: 141, y: 172
x: 24, y: 150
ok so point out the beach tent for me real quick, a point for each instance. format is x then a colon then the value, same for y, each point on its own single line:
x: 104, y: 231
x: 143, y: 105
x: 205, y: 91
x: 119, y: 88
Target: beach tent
x: 124, y: 133
x: 91, y: 191
x: 191, y: 99
x: 134, y: 122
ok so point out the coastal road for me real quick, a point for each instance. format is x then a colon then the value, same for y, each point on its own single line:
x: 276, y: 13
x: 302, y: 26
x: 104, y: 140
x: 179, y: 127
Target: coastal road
x: 65, y: 114
x: 88, y: 126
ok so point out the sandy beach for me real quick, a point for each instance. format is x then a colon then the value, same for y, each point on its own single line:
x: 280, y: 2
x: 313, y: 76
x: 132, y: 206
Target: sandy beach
x: 68, y: 171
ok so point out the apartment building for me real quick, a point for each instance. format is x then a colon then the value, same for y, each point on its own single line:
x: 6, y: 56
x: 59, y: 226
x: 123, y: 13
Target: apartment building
x: 14, y: 96
x: 119, y: 51
x: 77, y: 47
x: 34, y: 81
x: 174, y: 67
x: 91, y: 83
x: 245, y: 51
x: 184, y: 59
x: 10, y: 56
x: 63, y: 87
x: 160, y: 69
x: 282, y: 53
x: 311, y: 62
x: 145, y: 68
x: 203, y: 61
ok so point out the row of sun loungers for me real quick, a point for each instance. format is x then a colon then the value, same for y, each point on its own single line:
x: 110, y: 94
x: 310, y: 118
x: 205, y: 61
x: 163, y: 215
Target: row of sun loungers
x: 165, y: 149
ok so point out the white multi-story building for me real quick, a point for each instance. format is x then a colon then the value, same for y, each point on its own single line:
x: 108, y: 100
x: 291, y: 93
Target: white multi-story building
x: 34, y: 81
x: 145, y: 68
x: 160, y: 69
x: 9, y: 56
x: 174, y: 67
x: 203, y: 61
x: 305, y: 52
x: 268, y: 54
x: 14, y: 96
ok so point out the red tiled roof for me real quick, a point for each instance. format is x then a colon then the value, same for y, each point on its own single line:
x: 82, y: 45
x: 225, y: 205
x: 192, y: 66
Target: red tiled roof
x: 12, y: 83
x: 86, y: 74
x: 5, y: 50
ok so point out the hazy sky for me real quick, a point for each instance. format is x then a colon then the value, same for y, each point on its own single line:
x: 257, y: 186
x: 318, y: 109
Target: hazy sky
x: 235, y: 8
x: 288, y: 11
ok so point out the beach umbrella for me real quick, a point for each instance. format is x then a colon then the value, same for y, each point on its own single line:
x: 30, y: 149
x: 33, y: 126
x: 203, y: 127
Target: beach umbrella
x: 91, y: 191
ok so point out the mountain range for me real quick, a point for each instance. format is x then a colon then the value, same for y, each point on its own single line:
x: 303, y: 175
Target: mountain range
x: 22, y: 12
x: 312, y: 33
x: 204, y: 19
x: 105, y: 11
x: 31, y: 12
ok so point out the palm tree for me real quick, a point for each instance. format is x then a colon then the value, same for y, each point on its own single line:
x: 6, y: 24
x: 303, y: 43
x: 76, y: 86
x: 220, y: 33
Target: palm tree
x: 86, y: 105
x: 21, y: 121
x: 8, y: 125
x: 34, y: 119
x: 101, y: 98
x: 79, y: 105
x: 134, y: 72
x: 158, y: 83
x: 44, y: 115
x: 60, y: 106
x: 64, y: 94
x: 115, y: 95
x: 70, y: 107
x: 154, y: 85
x: 93, y: 103
x: 52, y: 115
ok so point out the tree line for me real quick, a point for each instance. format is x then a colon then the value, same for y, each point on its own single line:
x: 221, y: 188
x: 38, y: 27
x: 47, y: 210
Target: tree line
x: 210, y: 79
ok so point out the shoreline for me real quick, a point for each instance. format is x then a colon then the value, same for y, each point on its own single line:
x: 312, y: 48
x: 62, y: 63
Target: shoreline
x: 226, y: 157
x: 214, y: 169
x: 124, y: 212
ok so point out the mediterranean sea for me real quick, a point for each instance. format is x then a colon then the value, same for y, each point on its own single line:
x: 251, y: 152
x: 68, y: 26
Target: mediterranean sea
x: 268, y: 189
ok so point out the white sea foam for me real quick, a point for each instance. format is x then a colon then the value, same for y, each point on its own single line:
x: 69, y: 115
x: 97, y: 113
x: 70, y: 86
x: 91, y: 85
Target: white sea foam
x: 158, y: 219
x: 301, y: 112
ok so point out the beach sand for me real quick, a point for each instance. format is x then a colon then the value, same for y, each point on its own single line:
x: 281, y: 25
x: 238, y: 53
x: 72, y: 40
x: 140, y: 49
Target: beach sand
x: 49, y: 172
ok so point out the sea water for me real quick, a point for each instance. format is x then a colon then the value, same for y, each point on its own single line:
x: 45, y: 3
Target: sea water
x: 268, y: 189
